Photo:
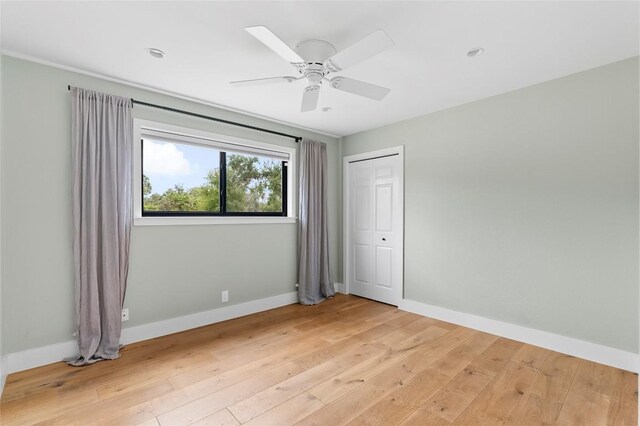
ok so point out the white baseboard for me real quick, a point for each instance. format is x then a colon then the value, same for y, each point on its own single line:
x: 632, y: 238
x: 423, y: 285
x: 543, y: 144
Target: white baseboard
x: 36, y: 357
x: 579, y: 348
x: 3, y: 372
x: 340, y: 288
x: 187, y: 322
x: 43, y: 355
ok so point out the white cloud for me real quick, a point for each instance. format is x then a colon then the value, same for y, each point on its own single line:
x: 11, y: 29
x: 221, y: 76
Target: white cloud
x: 164, y: 159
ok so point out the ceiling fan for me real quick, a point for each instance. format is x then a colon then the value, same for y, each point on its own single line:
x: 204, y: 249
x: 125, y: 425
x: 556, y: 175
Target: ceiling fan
x: 315, y: 59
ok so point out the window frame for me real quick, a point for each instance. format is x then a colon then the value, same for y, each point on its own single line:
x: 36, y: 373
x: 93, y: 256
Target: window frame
x: 220, y: 142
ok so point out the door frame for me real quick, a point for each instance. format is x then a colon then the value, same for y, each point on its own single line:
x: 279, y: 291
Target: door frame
x: 346, y: 235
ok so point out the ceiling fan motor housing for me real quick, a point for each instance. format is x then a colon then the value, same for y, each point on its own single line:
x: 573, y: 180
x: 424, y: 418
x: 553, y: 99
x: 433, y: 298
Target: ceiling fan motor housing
x: 315, y: 52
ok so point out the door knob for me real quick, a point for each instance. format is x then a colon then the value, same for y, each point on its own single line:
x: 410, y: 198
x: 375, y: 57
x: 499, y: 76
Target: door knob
x: 384, y: 239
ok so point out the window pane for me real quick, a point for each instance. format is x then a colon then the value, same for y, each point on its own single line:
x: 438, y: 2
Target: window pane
x: 254, y: 184
x: 180, y: 177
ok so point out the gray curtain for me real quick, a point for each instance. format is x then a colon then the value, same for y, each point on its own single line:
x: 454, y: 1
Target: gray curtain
x: 314, y: 278
x: 101, y: 137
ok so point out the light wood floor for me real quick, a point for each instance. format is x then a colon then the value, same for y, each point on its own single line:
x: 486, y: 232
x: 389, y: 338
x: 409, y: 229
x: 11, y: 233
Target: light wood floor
x: 346, y: 361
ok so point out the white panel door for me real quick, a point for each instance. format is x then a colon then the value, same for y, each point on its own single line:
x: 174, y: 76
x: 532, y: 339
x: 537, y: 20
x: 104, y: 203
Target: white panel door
x: 375, y: 229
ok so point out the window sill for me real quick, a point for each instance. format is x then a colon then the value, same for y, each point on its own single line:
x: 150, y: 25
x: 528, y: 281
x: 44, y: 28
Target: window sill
x: 229, y: 220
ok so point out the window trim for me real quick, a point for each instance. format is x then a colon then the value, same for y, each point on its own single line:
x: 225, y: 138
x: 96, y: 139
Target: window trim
x: 218, y: 141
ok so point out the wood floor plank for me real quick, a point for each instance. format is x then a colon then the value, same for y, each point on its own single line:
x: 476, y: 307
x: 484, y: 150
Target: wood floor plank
x: 289, y: 412
x: 221, y: 418
x: 497, y: 356
x: 213, y: 402
x: 425, y: 347
x: 108, y: 388
x: 452, y: 362
x: 374, y: 333
x: 270, y: 339
x: 145, y: 410
x: 345, y: 354
x: 344, y: 382
x: 544, y: 399
x: 455, y: 360
x: 246, y: 364
x: 496, y: 402
x: 590, y: 408
x: 346, y: 332
x: 41, y: 406
x: 422, y: 417
x: 386, y: 316
x: 420, y: 339
x: 476, y: 344
x: 403, y: 318
x: 218, y: 380
x: 150, y: 422
x: 417, y: 326
x: 349, y: 406
x: 589, y: 397
x: 532, y: 356
x: 265, y: 400
x: 399, y: 404
x: 623, y: 409
x: 102, y: 409
x: 453, y: 398
x: 346, y: 360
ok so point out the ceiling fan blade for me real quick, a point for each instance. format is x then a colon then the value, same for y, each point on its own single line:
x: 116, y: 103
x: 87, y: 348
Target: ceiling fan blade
x: 369, y: 46
x: 262, y: 81
x: 360, y: 88
x: 310, y: 98
x: 272, y: 41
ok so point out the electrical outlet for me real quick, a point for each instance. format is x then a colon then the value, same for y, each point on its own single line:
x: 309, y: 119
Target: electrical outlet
x: 225, y: 296
x: 125, y: 315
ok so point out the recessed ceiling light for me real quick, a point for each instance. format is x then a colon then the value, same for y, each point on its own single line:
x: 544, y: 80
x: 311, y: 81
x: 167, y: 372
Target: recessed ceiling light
x: 156, y: 53
x: 327, y: 109
x: 476, y: 51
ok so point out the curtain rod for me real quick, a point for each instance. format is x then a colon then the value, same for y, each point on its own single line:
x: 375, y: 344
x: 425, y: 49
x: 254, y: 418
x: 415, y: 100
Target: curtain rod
x: 207, y: 117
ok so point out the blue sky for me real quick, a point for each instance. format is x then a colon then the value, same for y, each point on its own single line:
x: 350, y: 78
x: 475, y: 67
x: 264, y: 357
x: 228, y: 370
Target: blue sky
x: 167, y: 164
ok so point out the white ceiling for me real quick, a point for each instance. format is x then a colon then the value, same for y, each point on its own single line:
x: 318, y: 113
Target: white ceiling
x: 427, y: 69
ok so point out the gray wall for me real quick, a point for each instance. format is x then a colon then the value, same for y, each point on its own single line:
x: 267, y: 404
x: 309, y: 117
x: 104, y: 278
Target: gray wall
x: 174, y: 270
x: 3, y: 358
x: 524, y: 207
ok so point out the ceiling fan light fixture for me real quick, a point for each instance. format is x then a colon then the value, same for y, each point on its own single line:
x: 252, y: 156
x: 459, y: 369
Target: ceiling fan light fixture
x: 156, y: 53
x: 476, y: 51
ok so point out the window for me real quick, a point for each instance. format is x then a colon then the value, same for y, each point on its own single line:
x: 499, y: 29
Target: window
x: 184, y: 176
x: 178, y: 178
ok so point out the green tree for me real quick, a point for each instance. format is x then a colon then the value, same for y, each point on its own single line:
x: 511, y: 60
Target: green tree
x: 207, y: 196
x: 272, y: 174
x: 146, y: 186
x: 242, y: 171
x: 252, y: 186
x: 176, y: 199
